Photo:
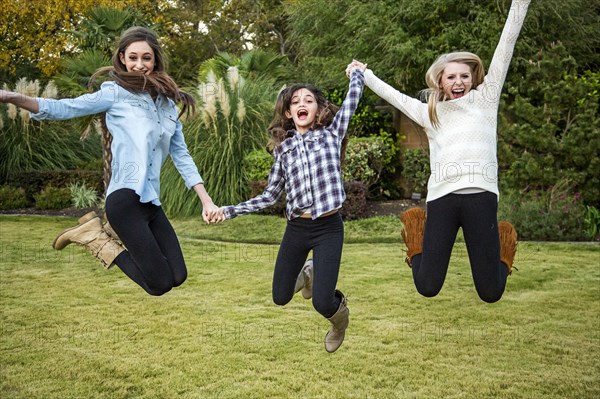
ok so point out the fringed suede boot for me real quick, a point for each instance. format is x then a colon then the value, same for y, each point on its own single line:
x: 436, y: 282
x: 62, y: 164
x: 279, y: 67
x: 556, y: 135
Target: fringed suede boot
x: 508, y: 244
x: 413, y: 229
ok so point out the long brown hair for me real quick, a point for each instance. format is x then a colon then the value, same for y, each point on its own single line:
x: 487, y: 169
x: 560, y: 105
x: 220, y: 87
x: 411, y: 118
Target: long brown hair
x: 281, y: 124
x: 157, y: 82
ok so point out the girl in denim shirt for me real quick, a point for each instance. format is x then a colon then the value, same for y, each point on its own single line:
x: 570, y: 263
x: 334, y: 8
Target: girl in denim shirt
x: 308, y: 138
x: 138, y: 101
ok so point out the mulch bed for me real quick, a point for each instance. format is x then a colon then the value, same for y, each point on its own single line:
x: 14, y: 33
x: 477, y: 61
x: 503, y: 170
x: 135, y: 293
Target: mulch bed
x: 374, y: 208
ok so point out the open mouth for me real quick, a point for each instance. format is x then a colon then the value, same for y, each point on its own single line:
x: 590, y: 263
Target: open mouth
x: 302, y: 114
x: 458, y: 93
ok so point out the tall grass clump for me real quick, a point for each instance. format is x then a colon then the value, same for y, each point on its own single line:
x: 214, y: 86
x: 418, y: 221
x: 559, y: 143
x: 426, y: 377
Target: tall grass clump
x: 232, y: 120
x: 82, y: 196
x: 31, y: 145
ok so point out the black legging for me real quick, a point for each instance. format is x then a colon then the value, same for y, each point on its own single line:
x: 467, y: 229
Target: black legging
x: 477, y: 215
x: 153, y: 258
x: 325, y: 236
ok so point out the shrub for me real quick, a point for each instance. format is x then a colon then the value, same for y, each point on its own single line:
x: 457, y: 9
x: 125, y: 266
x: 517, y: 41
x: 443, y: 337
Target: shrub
x: 365, y: 160
x: 591, y: 223
x: 82, y: 196
x: 555, y: 215
x: 257, y: 165
x: 53, y: 198
x: 12, y: 197
x: 415, y: 168
x: 355, y: 206
x: 34, y: 181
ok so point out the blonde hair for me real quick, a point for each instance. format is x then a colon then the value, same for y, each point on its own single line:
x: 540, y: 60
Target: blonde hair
x: 433, y: 77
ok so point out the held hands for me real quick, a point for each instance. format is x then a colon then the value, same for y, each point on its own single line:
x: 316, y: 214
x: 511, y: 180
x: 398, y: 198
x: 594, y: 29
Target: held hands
x: 355, y: 65
x: 213, y: 214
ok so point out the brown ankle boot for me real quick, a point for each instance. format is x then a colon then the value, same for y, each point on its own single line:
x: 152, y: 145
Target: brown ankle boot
x: 304, y: 281
x: 413, y: 229
x: 339, y: 322
x: 508, y: 244
x: 90, y: 234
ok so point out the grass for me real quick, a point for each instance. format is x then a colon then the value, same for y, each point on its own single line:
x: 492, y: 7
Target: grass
x: 70, y: 329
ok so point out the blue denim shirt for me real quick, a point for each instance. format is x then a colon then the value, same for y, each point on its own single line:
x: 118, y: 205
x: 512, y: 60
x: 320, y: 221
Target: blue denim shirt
x: 144, y: 132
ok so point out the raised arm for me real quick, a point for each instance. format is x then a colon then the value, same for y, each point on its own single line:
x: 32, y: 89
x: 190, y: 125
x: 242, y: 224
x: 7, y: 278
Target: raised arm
x: 413, y: 108
x: 504, y: 51
x: 342, y: 117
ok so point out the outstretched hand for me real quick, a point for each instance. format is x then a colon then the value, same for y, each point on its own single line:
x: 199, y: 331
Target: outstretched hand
x: 355, y: 65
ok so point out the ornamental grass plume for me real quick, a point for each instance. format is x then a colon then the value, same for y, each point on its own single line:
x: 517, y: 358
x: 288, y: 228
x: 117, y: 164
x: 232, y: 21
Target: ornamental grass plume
x: 241, y: 110
x: 224, y: 99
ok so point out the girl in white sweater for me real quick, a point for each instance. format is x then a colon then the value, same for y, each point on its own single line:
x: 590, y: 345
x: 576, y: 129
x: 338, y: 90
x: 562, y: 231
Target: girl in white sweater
x: 460, y: 120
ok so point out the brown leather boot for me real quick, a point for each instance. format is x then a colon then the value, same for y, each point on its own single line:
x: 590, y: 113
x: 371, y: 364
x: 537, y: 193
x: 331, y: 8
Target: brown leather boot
x: 339, y: 322
x: 413, y: 229
x: 90, y: 234
x: 508, y: 244
x: 304, y: 281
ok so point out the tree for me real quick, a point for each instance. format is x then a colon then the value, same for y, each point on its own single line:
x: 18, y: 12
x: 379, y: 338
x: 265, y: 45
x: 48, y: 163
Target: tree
x: 549, y: 113
x: 399, y: 39
x: 40, y: 34
x: 548, y: 133
x: 198, y: 30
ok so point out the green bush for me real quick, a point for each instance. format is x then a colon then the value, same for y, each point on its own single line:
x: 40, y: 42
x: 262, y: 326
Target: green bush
x: 12, y: 198
x: 34, y: 181
x: 257, y: 165
x: 591, y: 223
x: 365, y: 160
x: 53, y: 198
x: 355, y: 206
x: 555, y: 215
x: 548, y: 129
x: 82, y: 196
x: 415, y: 168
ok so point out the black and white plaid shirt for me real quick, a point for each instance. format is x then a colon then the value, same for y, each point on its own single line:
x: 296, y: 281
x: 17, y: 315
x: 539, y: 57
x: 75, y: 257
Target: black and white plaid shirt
x: 308, y: 166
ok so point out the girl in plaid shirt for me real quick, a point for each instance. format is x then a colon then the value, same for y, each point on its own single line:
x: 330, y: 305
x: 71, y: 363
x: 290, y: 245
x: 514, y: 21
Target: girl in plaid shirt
x: 308, y: 137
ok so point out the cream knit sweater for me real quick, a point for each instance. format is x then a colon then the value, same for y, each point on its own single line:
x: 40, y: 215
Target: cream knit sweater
x: 463, y: 148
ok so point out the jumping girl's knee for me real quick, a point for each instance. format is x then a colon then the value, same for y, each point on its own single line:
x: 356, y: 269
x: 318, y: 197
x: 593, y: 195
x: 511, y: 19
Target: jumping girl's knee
x: 490, y: 297
x: 158, y: 288
x: 281, y: 300
x: 178, y: 280
x: 428, y: 290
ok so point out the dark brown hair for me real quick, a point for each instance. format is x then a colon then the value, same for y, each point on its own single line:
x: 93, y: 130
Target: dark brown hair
x: 281, y: 124
x: 157, y: 82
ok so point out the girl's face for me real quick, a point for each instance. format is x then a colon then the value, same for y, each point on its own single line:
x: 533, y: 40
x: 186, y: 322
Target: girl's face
x: 138, y: 57
x: 457, y: 80
x: 303, y: 110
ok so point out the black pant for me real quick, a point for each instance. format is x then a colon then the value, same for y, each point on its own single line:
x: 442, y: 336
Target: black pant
x: 153, y: 258
x: 477, y: 215
x: 325, y: 236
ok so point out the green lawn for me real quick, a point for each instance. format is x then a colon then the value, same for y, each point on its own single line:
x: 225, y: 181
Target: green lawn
x: 70, y: 329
